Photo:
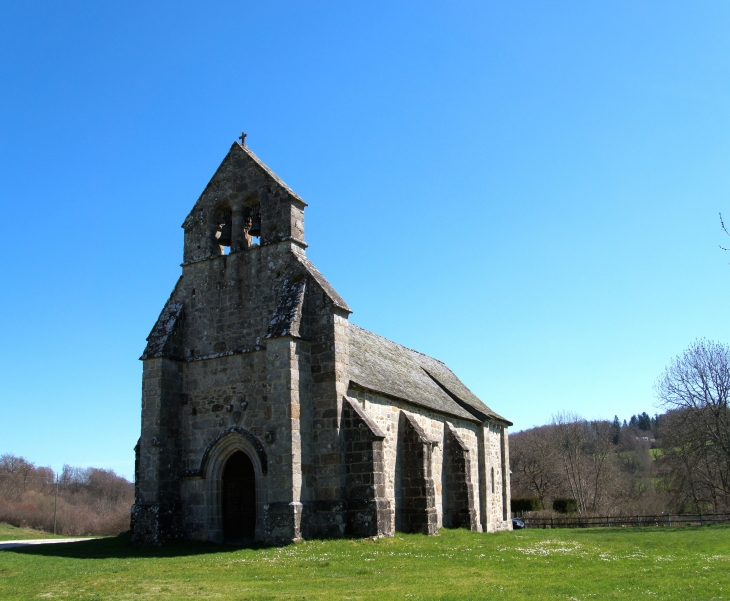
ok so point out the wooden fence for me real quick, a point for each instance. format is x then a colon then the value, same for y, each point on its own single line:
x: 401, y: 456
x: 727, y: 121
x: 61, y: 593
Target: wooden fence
x: 685, y: 519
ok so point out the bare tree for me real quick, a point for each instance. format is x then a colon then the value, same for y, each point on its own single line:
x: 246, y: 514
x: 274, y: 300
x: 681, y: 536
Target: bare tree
x: 14, y: 473
x: 534, y: 461
x: 599, y: 450
x: 569, y: 436
x: 724, y: 229
x: 695, y: 388
x: 587, y: 456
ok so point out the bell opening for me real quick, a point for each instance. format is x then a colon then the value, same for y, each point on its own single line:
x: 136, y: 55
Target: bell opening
x: 225, y: 232
x: 253, y: 224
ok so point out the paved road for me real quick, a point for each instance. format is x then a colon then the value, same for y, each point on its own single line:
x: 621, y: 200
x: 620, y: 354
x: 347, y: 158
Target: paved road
x: 12, y: 544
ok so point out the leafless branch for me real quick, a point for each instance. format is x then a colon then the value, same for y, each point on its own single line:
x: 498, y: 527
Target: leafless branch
x: 724, y: 229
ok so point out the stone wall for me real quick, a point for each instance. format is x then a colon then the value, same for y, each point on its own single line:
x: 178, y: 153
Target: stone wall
x: 416, y: 504
x: 385, y: 413
x: 497, y: 478
x: 459, y: 509
x: 324, y: 470
x: 229, y: 301
x: 156, y: 513
x: 368, y: 512
x: 241, y: 181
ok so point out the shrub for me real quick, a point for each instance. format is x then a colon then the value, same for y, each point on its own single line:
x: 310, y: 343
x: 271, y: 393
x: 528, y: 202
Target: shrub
x: 526, y: 504
x: 565, y: 505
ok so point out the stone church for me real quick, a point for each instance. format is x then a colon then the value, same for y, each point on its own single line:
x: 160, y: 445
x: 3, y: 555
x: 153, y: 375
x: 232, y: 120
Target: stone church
x: 267, y: 416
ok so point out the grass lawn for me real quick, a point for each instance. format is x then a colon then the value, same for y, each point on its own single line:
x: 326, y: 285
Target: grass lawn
x: 621, y: 563
x: 8, y: 532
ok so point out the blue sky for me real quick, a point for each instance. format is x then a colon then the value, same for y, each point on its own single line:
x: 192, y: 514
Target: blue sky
x: 528, y: 191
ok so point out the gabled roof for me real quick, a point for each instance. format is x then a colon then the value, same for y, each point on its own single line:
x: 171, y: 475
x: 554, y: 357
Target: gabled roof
x: 238, y: 149
x: 381, y: 365
x: 158, y: 342
x: 288, y: 314
x: 338, y: 301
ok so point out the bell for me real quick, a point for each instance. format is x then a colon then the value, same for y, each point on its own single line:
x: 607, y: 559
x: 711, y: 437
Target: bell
x: 224, y: 239
x: 255, y: 229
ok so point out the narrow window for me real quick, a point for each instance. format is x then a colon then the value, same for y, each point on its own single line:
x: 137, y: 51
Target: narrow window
x: 492, y: 480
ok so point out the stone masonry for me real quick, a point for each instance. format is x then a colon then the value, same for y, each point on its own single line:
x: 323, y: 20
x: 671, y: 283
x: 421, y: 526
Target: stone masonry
x: 348, y: 433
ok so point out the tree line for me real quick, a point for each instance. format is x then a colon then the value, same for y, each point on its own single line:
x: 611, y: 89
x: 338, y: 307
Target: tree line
x: 83, y: 501
x: 674, y: 462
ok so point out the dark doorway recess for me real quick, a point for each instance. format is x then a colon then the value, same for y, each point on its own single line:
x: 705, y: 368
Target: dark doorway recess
x: 239, y: 500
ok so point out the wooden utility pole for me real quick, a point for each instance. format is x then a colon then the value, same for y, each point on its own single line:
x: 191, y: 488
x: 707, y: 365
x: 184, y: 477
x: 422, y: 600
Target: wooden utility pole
x: 55, y: 505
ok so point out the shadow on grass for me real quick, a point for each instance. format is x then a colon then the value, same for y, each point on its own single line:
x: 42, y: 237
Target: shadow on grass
x: 120, y: 547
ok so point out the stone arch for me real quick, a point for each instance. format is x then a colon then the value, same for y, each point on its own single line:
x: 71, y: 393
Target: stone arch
x: 258, y: 448
x: 214, y: 461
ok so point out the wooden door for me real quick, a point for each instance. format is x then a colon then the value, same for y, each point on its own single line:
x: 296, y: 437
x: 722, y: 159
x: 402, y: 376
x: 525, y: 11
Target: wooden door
x: 239, y: 499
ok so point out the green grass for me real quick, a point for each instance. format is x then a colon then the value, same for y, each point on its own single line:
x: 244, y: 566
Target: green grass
x: 622, y: 563
x: 8, y: 532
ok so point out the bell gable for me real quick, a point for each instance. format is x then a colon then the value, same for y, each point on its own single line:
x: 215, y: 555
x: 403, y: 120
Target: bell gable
x: 245, y: 204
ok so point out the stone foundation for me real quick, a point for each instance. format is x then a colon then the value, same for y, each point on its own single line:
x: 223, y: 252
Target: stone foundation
x: 156, y: 523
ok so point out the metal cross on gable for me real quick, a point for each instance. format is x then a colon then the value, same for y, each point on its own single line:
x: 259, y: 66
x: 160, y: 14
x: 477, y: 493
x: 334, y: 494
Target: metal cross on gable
x: 242, y: 137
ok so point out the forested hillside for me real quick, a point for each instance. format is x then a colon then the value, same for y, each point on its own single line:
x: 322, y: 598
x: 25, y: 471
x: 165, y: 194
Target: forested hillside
x: 87, y: 501
x: 675, y: 462
x: 646, y: 465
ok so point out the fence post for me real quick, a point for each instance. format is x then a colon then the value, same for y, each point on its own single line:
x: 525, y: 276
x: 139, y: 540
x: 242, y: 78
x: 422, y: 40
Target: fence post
x: 702, y: 521
x: 608, y: 521
x: 551, y: 522
x: 669, y: 517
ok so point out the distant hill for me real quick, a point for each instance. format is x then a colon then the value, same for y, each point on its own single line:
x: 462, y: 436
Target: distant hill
x: 90, y: 501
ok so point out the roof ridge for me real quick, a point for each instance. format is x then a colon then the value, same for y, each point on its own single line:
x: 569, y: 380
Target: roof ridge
x: 322, y: 281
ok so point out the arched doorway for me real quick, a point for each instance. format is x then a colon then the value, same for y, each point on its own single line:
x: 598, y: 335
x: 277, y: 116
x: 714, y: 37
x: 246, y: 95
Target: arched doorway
x: 239, y: 499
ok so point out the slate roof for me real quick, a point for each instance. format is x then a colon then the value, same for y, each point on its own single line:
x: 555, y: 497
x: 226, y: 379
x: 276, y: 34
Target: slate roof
x: 381, y: 365
x: 288, y: 314
x: 164, y: 326
x: 338, y: 301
